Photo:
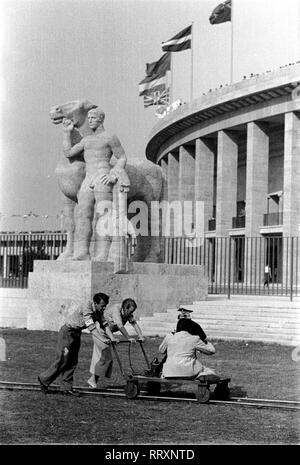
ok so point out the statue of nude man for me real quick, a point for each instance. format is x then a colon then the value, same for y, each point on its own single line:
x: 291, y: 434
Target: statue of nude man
x: 98, y: 148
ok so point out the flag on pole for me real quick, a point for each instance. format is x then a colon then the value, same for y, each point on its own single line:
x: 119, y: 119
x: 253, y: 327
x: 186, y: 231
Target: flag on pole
x: 157, y: 98
x: 159, y: 67
x: 179, y: 42
x: 154, y: 87
x: 221, y: 13
x: 156, y: 78
x: 155, y: 92
x: 150, y: 67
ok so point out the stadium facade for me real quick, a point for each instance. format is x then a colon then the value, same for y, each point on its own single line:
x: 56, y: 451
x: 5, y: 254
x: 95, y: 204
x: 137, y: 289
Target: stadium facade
x: 237, y: 149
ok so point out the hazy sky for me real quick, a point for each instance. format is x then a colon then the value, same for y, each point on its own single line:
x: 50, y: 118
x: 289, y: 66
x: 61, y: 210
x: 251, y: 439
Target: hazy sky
x: 60, y: 50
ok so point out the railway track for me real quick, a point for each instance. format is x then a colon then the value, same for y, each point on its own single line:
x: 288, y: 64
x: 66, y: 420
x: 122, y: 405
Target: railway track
x: 119, y: 393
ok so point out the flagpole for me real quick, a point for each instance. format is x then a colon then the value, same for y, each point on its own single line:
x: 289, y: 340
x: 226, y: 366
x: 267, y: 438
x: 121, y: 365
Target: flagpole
x: 171, y: 97
x: 192, y: 62
x: 231, y: 45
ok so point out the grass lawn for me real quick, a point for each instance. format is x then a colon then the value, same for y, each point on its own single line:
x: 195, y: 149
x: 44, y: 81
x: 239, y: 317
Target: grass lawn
x: 256, y: 369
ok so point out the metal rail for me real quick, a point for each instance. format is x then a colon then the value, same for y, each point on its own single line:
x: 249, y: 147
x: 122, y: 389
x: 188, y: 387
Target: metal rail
x: 119, y: 392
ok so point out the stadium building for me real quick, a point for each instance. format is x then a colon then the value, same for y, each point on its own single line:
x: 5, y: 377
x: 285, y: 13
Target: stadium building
x: 237, y: 149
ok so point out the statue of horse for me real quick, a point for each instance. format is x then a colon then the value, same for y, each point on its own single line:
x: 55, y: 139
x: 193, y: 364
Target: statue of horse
x: 147, y: 180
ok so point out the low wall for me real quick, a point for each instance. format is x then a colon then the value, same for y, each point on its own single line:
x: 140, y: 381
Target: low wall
x: 13, y: 308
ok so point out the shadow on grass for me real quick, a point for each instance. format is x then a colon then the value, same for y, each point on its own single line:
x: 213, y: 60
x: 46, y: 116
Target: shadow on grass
x: 237, y: 391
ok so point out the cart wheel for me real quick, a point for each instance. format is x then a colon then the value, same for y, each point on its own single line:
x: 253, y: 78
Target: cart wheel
x: 222, y: 391
x: 153, y: 388
x: 132, y: 389
x: 203, y: 394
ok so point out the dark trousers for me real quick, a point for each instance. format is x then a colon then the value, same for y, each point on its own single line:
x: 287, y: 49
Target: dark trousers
x: 66, y: 361
x: 267, y: 279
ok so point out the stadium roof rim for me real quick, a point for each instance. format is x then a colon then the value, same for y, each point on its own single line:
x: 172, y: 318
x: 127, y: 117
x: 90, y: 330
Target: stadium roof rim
x: 252, y: 91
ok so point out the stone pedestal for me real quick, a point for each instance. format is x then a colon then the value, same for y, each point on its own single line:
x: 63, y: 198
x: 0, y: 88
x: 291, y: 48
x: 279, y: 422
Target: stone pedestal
x: 154, y: 286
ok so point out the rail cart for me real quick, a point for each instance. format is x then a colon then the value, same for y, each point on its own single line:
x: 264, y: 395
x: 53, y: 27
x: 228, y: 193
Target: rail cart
x: 153, y: 384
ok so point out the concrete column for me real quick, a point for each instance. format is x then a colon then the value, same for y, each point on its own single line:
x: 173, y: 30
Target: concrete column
x: 226, y: 182
x: 173, y: 177
x: 291, y: 183
x: 291, y: 198
x: 256, y: 177
x: 187, y: 188
x: 204, y: 178
x: 164, y: 167
x: 173, y: 189
x: 256, y: 199
x: 163, y: 241
x: 227, y: 159
x: 186, y: 174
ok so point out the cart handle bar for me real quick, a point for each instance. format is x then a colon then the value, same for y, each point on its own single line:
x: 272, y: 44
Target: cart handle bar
x: 125, y: 341
x: 129, y: 354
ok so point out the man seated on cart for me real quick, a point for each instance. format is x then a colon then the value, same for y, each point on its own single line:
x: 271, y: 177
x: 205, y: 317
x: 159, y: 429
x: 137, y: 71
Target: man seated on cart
x: 115, y: 317
x: 182, y: 348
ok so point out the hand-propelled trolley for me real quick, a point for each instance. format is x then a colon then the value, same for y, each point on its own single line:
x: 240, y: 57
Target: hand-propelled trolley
x: 152, y: 382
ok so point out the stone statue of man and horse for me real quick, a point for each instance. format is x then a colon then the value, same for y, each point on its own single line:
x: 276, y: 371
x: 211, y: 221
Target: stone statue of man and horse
x: 87, y: 176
